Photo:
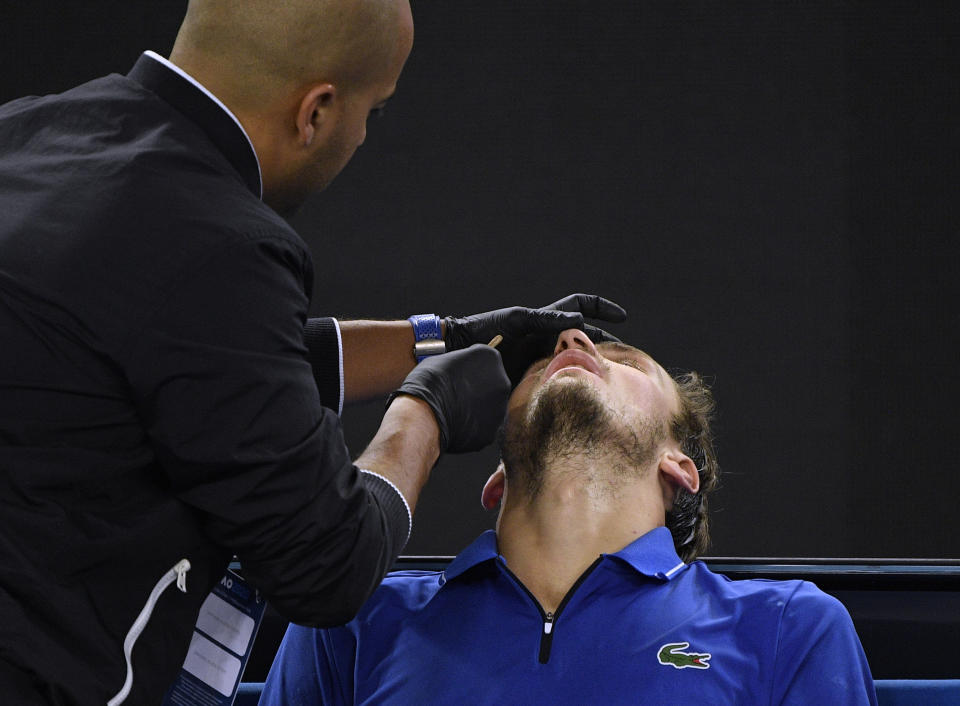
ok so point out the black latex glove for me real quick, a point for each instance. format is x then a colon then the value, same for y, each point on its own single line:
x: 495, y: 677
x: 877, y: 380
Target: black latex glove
x: 530, y: 334
x: 467, y: 391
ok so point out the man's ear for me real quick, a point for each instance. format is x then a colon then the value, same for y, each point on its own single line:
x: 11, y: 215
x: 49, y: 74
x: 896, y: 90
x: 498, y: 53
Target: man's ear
x: 315, y: 115
x: 676, y: 469
x: 493, y: 488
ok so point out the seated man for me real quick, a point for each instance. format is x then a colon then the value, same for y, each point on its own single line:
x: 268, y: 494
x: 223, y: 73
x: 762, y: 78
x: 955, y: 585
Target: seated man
x: 587, y: 593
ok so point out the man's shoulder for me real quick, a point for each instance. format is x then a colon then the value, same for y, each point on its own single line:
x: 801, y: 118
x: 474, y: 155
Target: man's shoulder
x: 401, y: 596
x: 115, y: 139
x: 408, y: 590
x: 60, y: 127
x: 105, y: 107
x: 89, y: 88
x: 112, y: 152
x: 774, y: 592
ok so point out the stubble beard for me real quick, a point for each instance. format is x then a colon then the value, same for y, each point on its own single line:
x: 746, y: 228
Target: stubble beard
x: 568, y: 419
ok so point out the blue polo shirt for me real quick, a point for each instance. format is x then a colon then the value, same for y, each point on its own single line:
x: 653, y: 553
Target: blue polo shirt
x: 640, y: 626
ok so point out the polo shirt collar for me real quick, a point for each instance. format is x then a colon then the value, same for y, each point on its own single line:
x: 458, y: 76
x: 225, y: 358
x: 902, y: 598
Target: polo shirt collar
x: 190, y: 97
x: 652, y: 555
x: 483, y: 548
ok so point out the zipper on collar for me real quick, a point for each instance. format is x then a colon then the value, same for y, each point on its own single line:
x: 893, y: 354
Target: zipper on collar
x: 550, y: 619
x: 546, y: 640
x: 178, y: 573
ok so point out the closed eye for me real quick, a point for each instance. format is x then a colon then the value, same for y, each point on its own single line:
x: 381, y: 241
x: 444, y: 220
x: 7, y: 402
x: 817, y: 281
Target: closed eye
x: 629, y: 362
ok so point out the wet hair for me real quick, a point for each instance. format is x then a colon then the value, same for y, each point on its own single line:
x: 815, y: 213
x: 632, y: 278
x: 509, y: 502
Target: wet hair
x: 688, y: 521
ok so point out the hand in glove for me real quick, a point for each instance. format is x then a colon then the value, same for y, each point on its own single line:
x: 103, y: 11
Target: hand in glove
x: 467, y: 391
x: 530, y: 334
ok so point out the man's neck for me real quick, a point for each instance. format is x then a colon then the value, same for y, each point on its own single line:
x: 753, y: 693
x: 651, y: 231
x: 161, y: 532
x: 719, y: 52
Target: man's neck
x: 581, y: 512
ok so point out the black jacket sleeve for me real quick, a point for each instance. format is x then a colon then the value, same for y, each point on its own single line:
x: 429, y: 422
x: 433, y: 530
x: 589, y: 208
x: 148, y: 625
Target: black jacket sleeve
x: 223, y: 383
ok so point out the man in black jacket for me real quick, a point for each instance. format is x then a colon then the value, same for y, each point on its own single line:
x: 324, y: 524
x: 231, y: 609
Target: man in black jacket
x: 164, y: 401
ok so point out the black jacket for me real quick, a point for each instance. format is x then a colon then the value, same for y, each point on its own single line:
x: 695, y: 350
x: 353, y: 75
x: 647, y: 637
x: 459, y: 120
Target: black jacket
x: 157, y: 399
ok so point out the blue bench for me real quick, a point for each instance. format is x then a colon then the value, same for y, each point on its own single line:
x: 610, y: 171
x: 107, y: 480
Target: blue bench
x: 890, y: 692
x: 248, y: 693
x: 918, y: 692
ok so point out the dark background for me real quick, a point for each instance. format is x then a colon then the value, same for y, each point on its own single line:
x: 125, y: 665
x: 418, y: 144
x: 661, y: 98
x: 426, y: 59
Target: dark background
x: 768, y: 187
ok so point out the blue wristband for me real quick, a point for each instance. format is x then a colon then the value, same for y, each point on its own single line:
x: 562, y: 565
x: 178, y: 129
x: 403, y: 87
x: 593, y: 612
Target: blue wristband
x: 428, y: 335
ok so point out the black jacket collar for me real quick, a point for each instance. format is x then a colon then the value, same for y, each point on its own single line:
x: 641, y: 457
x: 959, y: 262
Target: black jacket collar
x: 222, y: 130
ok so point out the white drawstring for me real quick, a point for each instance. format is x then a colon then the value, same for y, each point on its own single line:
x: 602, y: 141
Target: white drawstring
x: 179, y: 574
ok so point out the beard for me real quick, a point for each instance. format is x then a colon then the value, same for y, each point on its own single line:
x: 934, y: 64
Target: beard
x: 568, y: 419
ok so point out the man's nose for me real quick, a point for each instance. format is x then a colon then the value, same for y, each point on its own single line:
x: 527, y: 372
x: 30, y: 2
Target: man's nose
x: 574, y: 338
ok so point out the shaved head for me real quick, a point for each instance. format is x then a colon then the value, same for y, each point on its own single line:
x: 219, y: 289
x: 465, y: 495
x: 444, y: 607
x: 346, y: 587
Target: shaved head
x: 265, y: 47
x: 301, y: 76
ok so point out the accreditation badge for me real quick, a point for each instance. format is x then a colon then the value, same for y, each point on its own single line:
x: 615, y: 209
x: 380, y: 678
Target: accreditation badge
x: 222, y: 640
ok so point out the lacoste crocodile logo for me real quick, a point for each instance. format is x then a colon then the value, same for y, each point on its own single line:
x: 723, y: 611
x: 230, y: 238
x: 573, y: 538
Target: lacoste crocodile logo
x: 671, y: 654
